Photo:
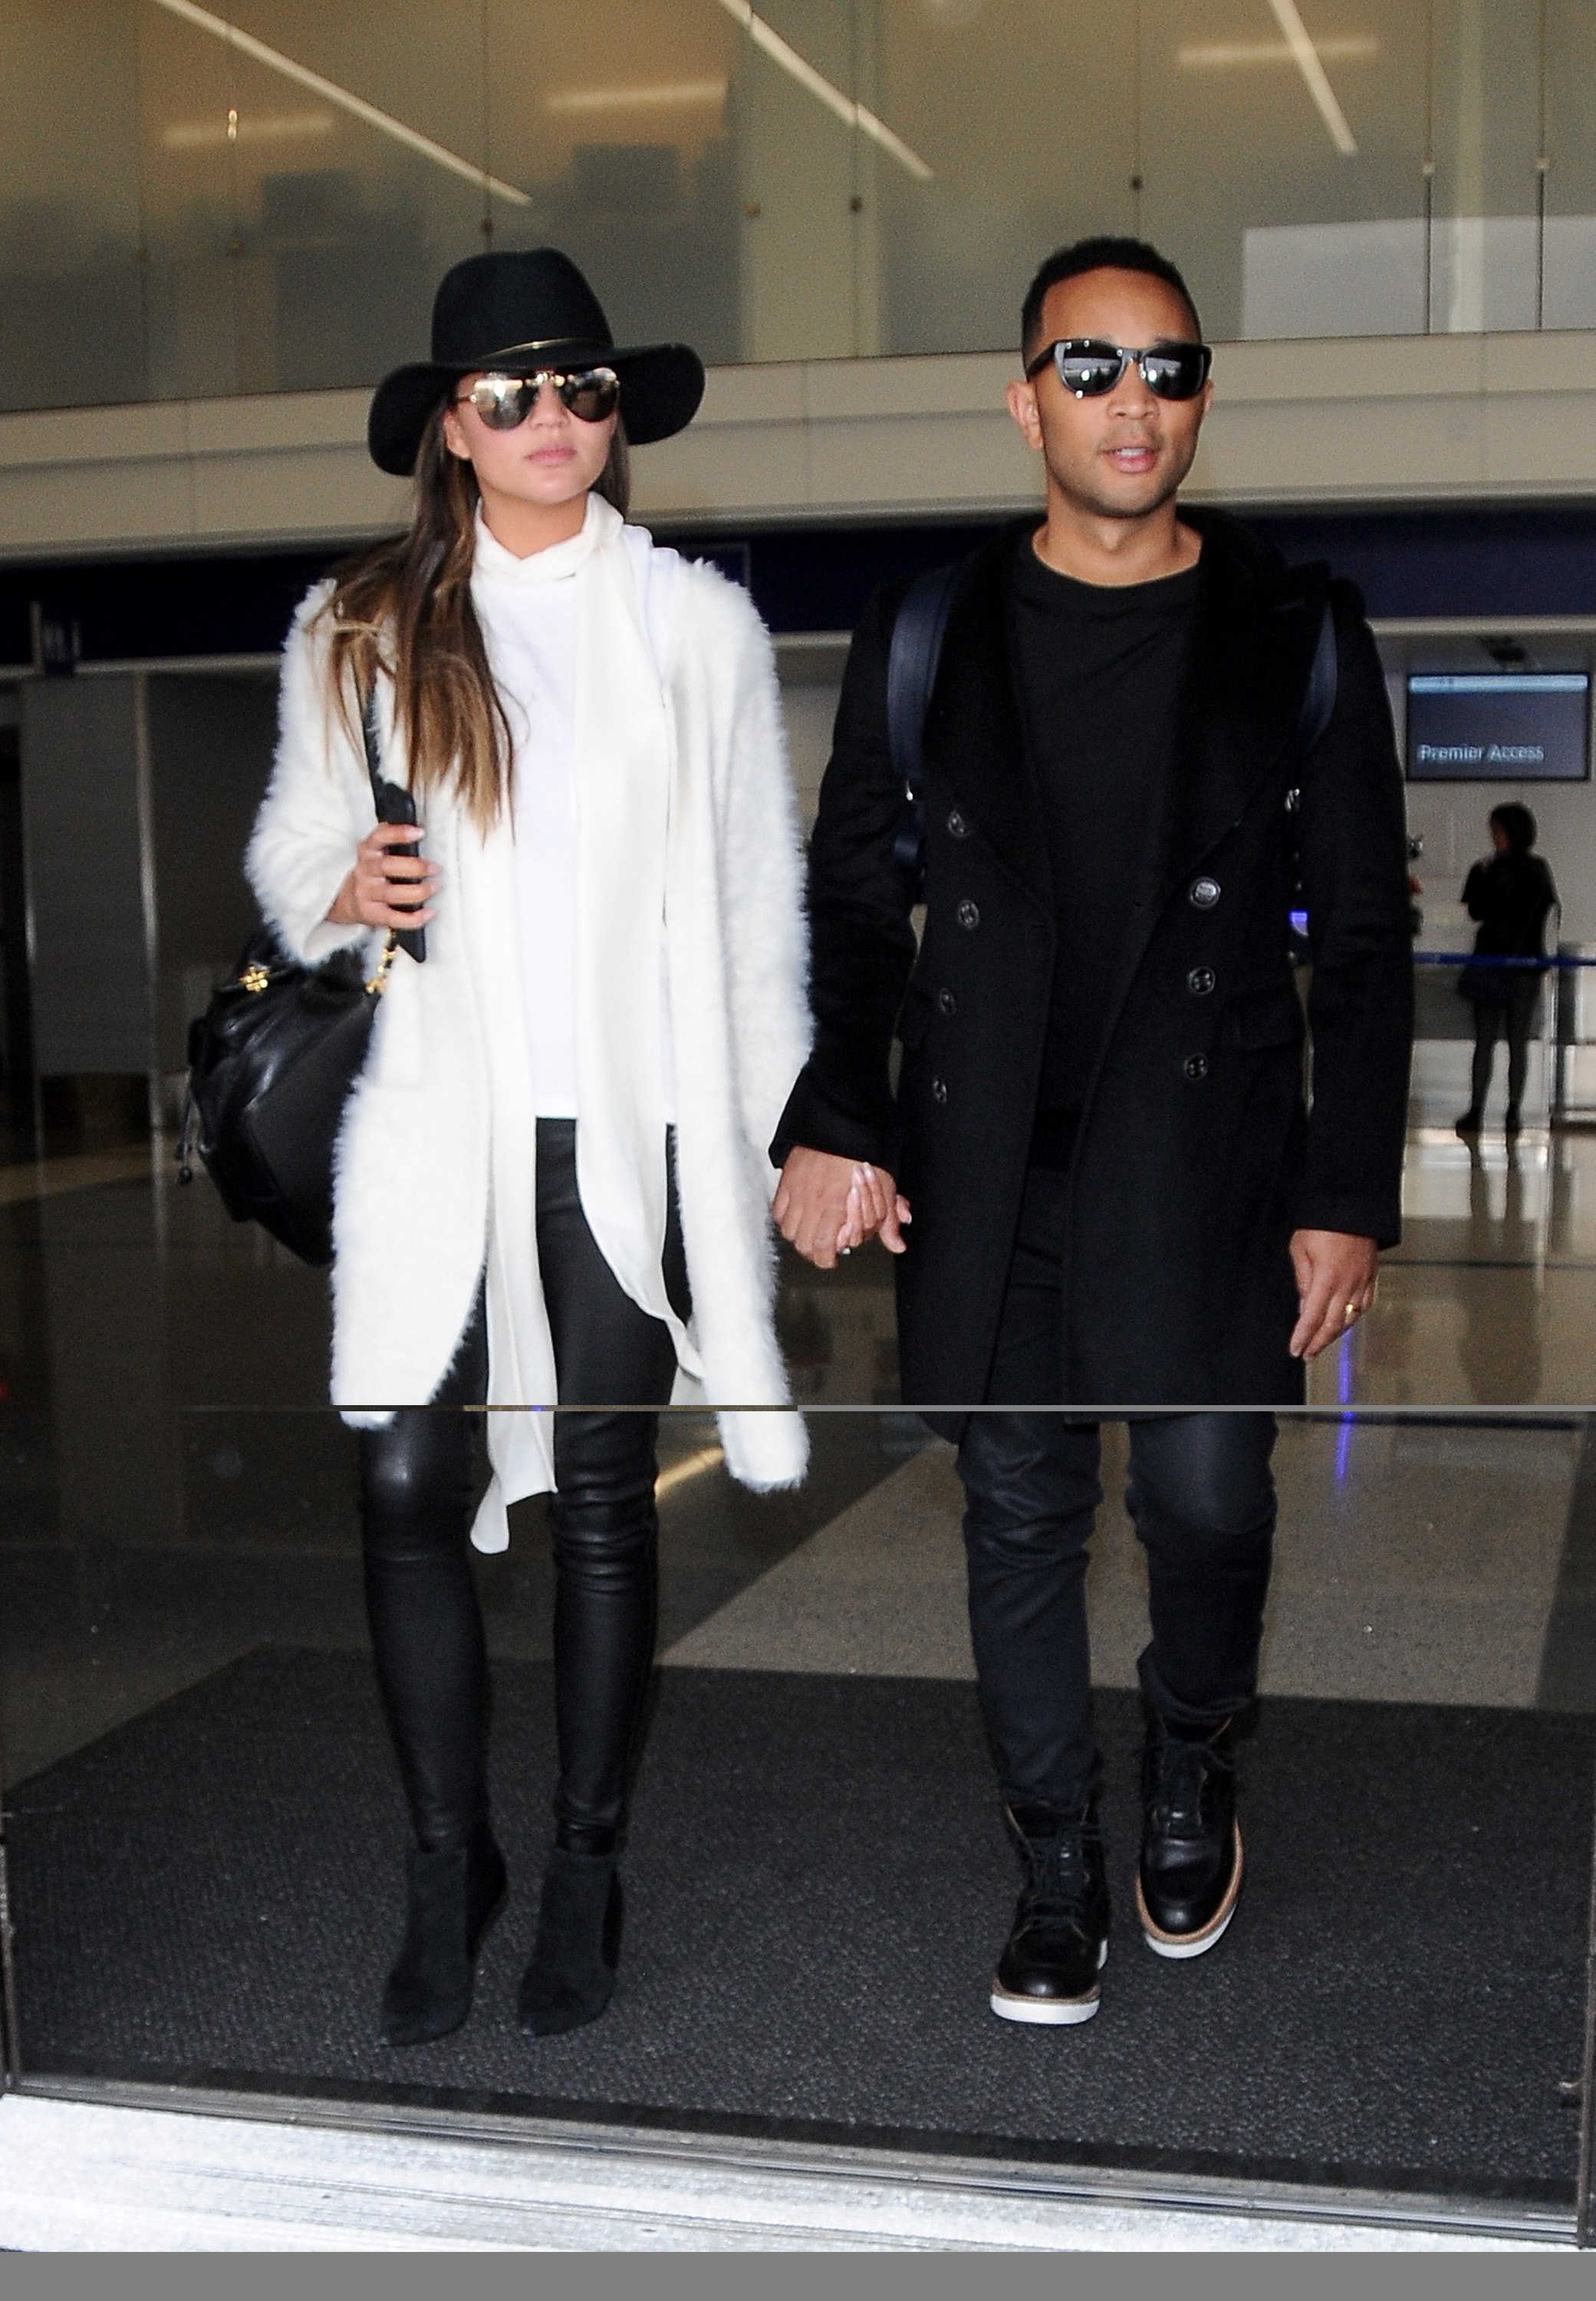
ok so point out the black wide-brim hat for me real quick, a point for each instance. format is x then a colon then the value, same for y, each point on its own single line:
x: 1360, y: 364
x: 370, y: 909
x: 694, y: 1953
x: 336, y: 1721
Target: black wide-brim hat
x: 514, y: 314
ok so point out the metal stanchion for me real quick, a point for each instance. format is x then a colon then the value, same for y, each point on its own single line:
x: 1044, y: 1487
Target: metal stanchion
x: 1583, y: 2225
x: 10, y: 2047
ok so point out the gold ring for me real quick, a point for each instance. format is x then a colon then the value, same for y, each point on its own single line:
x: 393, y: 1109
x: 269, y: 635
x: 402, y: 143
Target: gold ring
x: 1350, y: 1311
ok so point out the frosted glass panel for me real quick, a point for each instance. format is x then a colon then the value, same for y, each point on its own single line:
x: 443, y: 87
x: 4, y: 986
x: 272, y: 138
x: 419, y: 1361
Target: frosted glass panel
x: 198, y: 201
x: 1288, y: 181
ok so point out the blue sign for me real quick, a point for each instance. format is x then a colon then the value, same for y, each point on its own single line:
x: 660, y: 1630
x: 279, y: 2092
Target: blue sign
x: 1499, y: 726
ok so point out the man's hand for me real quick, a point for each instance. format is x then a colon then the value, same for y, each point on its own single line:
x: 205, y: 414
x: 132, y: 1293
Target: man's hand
x: 1335, y: 1286
x: 825, y: 1206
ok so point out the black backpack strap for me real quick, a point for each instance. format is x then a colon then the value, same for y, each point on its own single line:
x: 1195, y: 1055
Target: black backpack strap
x: 1319, y: 698
x: 911, y: 674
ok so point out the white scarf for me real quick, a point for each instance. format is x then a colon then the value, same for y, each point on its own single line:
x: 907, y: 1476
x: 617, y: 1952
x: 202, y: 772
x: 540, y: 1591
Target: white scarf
x: 624, y: 744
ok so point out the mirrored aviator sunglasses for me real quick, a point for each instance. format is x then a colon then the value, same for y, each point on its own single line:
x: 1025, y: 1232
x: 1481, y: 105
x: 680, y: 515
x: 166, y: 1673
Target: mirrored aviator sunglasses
x: 1089, y: 367
x: 504, y: 401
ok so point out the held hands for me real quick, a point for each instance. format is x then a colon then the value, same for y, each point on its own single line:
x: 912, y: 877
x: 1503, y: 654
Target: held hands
x: 385, y: 889
x: 825, y: 1206
x: 1335, y: 1286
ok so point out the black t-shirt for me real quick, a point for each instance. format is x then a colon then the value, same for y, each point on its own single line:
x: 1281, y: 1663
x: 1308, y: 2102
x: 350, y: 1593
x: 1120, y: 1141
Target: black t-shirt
x: 1099, y: 668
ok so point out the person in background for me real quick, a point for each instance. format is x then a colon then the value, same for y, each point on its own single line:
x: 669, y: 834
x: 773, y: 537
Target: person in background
x: 1511, y: 893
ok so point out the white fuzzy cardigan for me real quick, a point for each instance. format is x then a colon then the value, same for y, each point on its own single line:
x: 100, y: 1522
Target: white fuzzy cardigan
x: 436, y: 1158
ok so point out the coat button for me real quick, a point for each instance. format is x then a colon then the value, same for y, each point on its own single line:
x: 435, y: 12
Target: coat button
x: 946, y: 1004
x: 958, y: 828
x: 1294, y: 799
x: 1205, y: 893
x: 968, y: 914
x: 939, y: 1090
x: 1196, y: 1067
x: 1201, y: 982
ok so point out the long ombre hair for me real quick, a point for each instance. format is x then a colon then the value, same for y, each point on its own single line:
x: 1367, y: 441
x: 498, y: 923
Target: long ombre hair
x: 404, y: 607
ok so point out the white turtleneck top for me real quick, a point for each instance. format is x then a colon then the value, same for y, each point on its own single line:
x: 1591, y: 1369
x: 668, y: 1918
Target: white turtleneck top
x: 527, y: 608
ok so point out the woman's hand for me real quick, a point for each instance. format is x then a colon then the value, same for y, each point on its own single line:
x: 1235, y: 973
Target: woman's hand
x: 876, y: 1210
x: 826, y: 1206
x: 384, y: 890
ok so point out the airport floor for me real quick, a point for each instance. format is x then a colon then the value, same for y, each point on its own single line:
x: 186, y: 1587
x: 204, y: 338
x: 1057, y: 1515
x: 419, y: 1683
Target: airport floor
x: 180, y: 1600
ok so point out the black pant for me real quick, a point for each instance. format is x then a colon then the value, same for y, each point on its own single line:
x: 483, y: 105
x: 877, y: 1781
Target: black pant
x: 1510, y: 1017
x: 417, y: 1502
x: 1202, y: 1501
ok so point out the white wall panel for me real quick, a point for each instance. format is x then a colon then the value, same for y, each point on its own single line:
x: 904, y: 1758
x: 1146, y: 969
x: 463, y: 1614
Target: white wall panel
x: 1385, y: 420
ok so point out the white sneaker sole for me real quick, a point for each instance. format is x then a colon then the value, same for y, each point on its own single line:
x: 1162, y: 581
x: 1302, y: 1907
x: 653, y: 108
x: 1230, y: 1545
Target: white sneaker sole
x: 1050, y: 2013
x: 1177, y: 1946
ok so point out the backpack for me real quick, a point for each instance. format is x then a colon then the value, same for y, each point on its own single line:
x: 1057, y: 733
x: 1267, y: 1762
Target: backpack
x: 912, y: 661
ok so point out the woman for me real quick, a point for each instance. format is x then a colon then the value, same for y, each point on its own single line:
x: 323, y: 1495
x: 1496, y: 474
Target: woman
x: 1510, y: 892
x: 552, y: 1179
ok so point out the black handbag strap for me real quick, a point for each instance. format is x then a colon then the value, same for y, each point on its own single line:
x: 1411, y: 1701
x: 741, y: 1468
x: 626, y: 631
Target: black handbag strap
x: 413, y: 940
x: 371, y: 729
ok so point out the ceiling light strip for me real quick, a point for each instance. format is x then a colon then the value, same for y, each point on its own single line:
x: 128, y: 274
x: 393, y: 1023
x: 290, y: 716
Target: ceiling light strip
x: 1341, y: 47
x: 1307, y: 57
x: 664, y: 96
x: 825, y: 91
x: 357, y: 106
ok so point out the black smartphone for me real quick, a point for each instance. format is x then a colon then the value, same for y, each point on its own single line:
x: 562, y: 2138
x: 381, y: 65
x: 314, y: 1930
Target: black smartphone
x: 396, y: 805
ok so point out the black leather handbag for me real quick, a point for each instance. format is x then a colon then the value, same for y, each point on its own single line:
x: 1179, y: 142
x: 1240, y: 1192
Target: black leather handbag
x: 271, y: 1064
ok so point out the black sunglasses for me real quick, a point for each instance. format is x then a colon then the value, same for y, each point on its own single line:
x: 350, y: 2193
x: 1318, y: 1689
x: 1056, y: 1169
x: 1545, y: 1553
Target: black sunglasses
x: 1089, y: 367
x: 504, y: 401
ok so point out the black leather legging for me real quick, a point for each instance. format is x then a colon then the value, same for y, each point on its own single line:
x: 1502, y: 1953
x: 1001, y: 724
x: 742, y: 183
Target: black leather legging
x: 416, y: 1501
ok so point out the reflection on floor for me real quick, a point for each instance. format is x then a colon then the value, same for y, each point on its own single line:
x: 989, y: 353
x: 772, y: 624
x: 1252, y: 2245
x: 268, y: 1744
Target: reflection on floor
x: 1393, y: 1580
x: 124, y: 1297
x: 1491, y: 1296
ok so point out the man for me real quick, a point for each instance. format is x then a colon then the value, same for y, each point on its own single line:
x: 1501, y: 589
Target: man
x: 1112, y: 1196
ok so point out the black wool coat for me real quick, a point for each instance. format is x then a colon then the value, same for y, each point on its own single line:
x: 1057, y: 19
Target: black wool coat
x: 1196, y: 1158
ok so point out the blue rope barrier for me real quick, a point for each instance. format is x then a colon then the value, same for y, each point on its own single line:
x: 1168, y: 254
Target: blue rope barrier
x: 1470, y: 958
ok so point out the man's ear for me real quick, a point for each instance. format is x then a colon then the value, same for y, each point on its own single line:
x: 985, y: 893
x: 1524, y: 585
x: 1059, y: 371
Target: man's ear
x: 1022, y: 405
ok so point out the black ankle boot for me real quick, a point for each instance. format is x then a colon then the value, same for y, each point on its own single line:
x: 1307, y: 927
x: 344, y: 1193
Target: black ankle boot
x: 578, y: 1945
x: 1059, y: 1940
x: 1190, y: 1869
x: 453, y: 1897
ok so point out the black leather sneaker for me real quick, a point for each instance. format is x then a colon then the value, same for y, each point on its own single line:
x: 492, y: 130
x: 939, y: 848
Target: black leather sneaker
x: 1189, y: 1873
x: 1050, y: 1967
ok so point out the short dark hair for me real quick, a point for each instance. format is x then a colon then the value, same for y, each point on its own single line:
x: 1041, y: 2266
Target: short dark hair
x: 1102, y: 253
x: 1517, y: 824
